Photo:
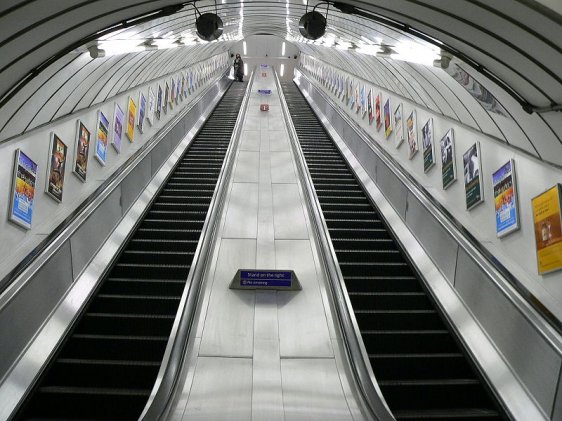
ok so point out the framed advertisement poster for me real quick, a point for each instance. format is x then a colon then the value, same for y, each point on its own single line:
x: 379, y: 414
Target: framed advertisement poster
x: 178, y: 90
x: 102, y: 133
x: 387, y: 119
x: 172, y: 92
x: 378, y: 117
x: 472, y: 176
x: 505, y: 199
x: 370, y: 113
x: 56, y: 164
x: 23, y: 190
x: 158, y: 110
x: 412, y: 135
x: 118, y: 123
x: 142, y: 112
x: 398, y: 125
x: 348, y: 89
x: 166, y: 99
x: 352, y: 98
x: 363, y: 97
x: 448, y: 165
x: 151, y: 106
x: 547, y: 220
x: 131, y: 117
x: 81, y: 150
x: 357, y: 99
x: 427, y: 146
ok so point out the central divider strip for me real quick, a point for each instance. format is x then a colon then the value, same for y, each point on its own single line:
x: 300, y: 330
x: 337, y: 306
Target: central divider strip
x: 158, y: 404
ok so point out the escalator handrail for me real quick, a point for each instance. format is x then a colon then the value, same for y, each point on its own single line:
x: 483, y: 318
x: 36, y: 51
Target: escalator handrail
x: 175, y: 354
x: 543, y: 321
x: 358, y: 357
x: 19, y: 277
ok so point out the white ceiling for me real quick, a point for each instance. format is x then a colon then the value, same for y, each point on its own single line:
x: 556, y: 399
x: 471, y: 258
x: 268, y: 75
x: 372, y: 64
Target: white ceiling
x: 519, y: 42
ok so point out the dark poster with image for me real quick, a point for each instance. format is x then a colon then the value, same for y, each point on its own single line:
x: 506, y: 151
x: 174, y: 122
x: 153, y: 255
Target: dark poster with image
x: 472, y: 176
x: 55, y: 168
x: 81, y: 151
x: 448, y: 166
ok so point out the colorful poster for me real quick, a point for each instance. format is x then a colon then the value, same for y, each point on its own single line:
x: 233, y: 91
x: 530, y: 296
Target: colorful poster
x: 505, y: 199
x: 348, y: 89
x: 55, y: 168
x: 378, y: 117
x: 352, y: 98
x: 448, y: 165
x: 387, y: 121
x: 398, y: 125
x: 363, y: 101
x: 472, y: 176
x: 159, y: 103
x: 547, y: 219
x: 131, y: 117
x: 412, y: 140
x: 23, y: 190
x: 370, y: 113
x: 357, y: 99
x: 166, y: 99
x: 178, y: 90
x: 151, y: 106
x: 142, y: 112
x: 427, y: 146
x: 102, y: 140
x: 172, y: 93
x: 81, y: 151
x: 184, y: 89
x: 118, y: 122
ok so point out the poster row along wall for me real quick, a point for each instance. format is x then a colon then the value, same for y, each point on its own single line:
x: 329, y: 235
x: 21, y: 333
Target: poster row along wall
x: 144, y: 107
x: 399, y: 125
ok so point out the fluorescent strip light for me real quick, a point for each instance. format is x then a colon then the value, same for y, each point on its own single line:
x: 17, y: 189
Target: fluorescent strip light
x: 245, y: 69
x: 283, y: 49
x: 245, y: 48
x: 282, y: 71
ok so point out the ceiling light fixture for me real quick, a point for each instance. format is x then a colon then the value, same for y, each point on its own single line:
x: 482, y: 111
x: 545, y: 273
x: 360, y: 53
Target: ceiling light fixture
x: 209, y: 25
x: 312, y: 25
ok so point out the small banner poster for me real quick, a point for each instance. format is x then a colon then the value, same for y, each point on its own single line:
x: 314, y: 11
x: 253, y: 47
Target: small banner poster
x: 275, y: 280
x: 547, y: 220
x: 505, y: 199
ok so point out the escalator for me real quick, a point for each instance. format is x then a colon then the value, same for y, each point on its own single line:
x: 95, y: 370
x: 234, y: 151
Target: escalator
x: 419, y: 365
x: 108, y: 364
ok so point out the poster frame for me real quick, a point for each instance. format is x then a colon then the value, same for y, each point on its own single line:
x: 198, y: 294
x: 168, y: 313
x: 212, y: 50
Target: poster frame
x: 142, y: 112
x: 78, y: 174
x: 428, y: 151
x: 53, y: 140
x: 12, y: 217
x: 480, y: 185
x: 514, y: 201
x: 117, y: 137
x: 101, y: 159
x: 558, y: 187
x: 453, y: 159
x: 387, y: 107
x: 412, y: 133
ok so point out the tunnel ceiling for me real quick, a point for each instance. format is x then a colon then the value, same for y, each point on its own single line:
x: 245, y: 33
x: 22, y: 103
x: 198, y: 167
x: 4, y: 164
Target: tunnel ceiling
x: 43, y: 48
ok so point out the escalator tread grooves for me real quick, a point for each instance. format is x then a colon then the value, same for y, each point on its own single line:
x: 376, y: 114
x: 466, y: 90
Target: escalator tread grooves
x: 399, y: 322
x: 125, y: 326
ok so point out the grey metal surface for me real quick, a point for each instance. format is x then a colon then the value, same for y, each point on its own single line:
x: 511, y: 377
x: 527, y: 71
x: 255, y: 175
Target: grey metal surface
x: 91, y: 234
x: 242, y: 219
x: 135, y: 183
x: 233, y: 401
x: 288, y: 217
x: 495, y: 359
x: 534, y: 361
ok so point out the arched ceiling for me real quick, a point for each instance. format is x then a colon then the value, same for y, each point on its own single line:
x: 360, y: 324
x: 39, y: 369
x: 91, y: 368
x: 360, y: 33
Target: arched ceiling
x: 45, y: 69
x: 519, y: 41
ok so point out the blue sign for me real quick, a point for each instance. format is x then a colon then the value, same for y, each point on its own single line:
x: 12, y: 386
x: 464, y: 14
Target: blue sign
x: 265, y: 279
x: 264, y: 91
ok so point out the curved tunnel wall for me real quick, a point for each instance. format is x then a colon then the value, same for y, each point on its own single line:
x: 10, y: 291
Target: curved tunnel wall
x: 515, y: 251
x: 47, y: 213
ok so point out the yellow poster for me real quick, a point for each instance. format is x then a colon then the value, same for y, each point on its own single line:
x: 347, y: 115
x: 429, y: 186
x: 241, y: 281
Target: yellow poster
x: 131, y: 117
x: 548, y: 229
